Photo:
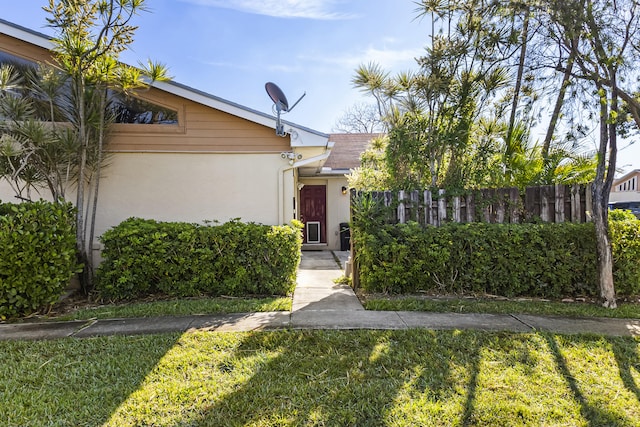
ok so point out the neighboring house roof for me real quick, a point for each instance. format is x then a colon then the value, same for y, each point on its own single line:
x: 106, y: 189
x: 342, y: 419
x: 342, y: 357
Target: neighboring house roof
x: 625, y: 178
x: 346, y: 152
x: 626, y: 189
x: 300, y: 136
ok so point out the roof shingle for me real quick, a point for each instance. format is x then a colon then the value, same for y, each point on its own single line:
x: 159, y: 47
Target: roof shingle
x: 348, y: 147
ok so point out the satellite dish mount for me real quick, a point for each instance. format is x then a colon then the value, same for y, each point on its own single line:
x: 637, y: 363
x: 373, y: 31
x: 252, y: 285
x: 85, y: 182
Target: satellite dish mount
x: 280, y: 105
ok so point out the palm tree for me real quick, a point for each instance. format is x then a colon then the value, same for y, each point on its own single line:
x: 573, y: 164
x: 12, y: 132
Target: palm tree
x: 91, y: 35
x: 35, y: 151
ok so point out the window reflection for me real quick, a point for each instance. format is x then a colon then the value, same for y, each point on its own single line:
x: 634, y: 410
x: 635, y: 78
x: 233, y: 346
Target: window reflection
x: 125, y: 108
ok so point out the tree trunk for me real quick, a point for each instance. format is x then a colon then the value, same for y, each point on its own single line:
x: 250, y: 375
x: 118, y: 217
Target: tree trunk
x: 603, y: 250
x: 600, y: 213
x: 96, y: 190
x: 520, y: 73
x: 566, y: 80
x: 85, y: 276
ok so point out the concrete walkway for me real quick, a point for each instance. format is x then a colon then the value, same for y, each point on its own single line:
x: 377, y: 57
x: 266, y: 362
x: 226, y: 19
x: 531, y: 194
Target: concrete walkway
x: 319, y: 303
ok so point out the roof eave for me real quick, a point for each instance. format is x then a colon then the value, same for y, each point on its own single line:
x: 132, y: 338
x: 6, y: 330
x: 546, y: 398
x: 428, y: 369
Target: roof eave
x: 26, y: 34
x: 300, y: 136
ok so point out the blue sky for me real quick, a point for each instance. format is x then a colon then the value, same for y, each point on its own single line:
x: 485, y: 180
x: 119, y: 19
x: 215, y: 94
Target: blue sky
x: 231, y: 48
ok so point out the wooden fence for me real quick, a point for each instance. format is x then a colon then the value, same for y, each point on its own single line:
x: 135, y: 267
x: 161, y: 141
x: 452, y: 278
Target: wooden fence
x: 548, y: 203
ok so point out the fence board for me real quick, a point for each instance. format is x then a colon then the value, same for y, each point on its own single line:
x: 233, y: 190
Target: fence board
x: 415, y: 205
x: 552, y: 203
x: 428, y: 207
x: 401, y: 211
x: 559, y: 203
x: 575, y: 204
x: 471, y: 208
x: 514, y: 205
x: 456, y: 214
x: 442, y: 208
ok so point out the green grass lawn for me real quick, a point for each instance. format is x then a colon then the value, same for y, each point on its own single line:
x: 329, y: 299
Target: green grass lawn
x: 332, y: 378
x: 172, y: 307
x: 479, y: 305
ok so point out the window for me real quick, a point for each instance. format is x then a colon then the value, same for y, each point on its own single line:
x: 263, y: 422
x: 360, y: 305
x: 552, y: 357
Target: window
x: 7, y: 58
x: 127, y: 109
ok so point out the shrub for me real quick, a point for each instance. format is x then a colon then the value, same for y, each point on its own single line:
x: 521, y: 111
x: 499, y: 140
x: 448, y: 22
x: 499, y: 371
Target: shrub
x: 624, y: 230
x: 37, y: 255
x: 536, y: 260
x: 143, y: 257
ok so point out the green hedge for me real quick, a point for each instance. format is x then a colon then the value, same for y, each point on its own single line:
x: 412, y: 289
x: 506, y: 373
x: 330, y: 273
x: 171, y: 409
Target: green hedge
x: 37, y: 255
x: 535, y: 260
x: 144, y: 257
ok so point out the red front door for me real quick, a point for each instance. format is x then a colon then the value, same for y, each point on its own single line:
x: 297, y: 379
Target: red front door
x: 313, y: 213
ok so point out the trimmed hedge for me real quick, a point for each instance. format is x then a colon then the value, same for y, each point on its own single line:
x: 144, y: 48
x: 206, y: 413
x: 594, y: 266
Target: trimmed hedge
x: 534, y: 260
x: 144, y: 257
x: 37, y: 255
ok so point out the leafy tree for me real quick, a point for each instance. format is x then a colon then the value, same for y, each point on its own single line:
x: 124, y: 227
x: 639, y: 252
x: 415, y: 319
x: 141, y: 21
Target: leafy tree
x: 373, y: 174
x: 437, y: 116
x: 606, y: 55
x: 55, y: 119
x: 90, y: 37
x: 35, y: 151
x: 450, y: 113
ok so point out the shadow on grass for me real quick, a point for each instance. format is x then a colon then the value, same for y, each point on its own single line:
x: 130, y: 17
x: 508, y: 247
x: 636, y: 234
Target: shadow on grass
x: 467, y: 416
x: 626, y: 359
x: 359, y: 378
x: 74, y: 382
x: 594, y: 415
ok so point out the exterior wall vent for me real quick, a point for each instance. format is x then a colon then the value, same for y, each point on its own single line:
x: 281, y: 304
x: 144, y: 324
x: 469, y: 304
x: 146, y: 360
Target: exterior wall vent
x: 313, y: 232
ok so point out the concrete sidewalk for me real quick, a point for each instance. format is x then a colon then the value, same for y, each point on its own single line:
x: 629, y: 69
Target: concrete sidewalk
x: 316, y: 289
x: 343, y: 320
x: 319, y: 303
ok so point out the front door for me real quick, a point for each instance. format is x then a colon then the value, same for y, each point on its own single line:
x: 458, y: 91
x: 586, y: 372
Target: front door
x: 313, y: 212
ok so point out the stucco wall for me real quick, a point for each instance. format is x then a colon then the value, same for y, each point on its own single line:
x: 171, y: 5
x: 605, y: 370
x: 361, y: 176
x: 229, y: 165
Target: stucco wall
x: 190, y: 187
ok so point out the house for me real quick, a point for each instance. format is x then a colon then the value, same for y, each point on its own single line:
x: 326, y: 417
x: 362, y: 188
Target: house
x: 625, y: 192
x: 208, y: 159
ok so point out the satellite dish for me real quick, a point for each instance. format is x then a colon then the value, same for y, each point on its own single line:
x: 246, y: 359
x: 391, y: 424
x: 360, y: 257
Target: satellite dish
x: 280, y: 104
x: 277, y: 96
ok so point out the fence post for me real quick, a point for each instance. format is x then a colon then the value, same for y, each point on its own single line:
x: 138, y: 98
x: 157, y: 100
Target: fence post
x: 388, y: 201
x: 588, y: 203
x: 415, y: 205
x: 544, y: 204
x: 487, y: 196
x: 388, y: 198
x: 514, y: 205
x: 401, y: 208
x: 575, y: 204
x: 500, y: 205
x: 471, y: 208
x: 560, y: 203
x: 456, y: 209
x: 428, y: 207
x: 442, y: 207
x: 530, y: 202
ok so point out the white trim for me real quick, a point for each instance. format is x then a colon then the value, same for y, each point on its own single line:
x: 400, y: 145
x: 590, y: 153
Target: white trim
x: 25, y: 34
